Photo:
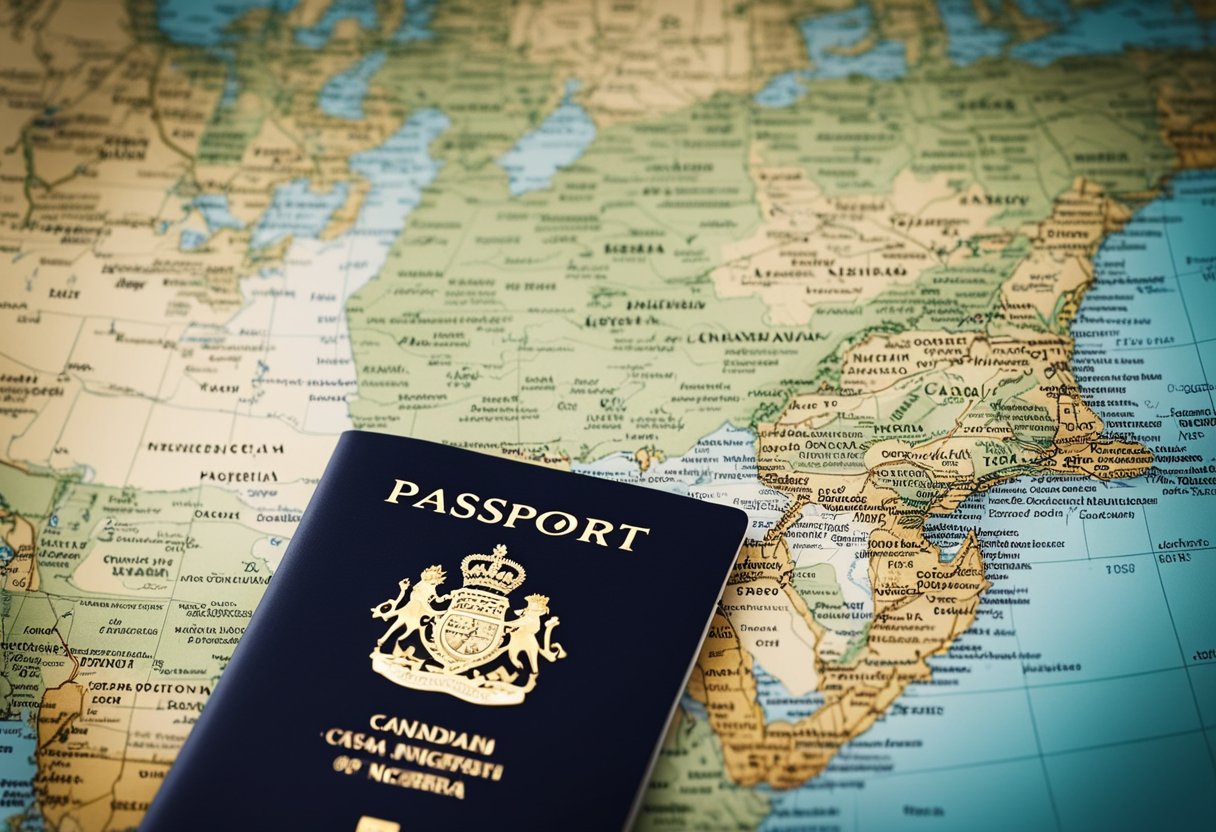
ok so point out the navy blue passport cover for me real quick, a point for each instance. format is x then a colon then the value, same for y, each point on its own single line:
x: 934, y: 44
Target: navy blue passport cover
x: 459, y: 562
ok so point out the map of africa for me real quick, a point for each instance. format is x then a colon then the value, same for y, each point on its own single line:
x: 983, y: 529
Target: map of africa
x: 925, y: 286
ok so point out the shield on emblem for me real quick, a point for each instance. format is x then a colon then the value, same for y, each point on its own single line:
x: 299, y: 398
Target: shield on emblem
x: 470, y: 630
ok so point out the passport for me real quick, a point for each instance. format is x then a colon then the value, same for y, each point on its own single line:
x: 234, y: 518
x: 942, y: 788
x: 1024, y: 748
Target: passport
x: 457, y: 641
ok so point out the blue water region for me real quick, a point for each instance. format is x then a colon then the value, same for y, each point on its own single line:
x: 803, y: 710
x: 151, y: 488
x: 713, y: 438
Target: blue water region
x: 416, y: 25
x: 192, y: 23
x: 343, y: 94
x: 232, y: 87
x: 968, y: 39
x: 296, y: 210
x: 1116, y: 26
x: 559, y: 141
x: 316, y: 36
x: 398, y: 171
x: 216, y: 213
x: 18, y: 746
x: 1086, y: 30
x: 886, y: 60
x: 1045, y: 9
x: 1084, y: 696
x: 192, y: 240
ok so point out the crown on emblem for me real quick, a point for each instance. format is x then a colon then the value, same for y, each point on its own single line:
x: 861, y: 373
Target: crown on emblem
x: 496, y: 571
x: 538, y: 602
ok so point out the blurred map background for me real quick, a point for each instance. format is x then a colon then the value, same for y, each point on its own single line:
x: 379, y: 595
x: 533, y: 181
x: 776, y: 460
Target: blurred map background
x: 925, y: 286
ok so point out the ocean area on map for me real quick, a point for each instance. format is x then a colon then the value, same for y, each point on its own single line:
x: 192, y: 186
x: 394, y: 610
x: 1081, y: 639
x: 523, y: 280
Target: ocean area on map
x: 17, y: 771
x: 1029, y: 726
x: 1080, y: 30
x: 193, y: 23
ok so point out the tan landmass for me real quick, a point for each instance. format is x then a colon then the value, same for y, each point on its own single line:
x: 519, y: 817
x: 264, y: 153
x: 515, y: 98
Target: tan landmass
x: 962, y: 409
x: 77, y: 767
x: 644, y: 457
x: 90, y: 771
x: 920, y: 606
x: 1045, y: 290
x: 1106, y: 459
x: 877, y: 362
x: 769, y: 628
x: 645, y: 59
x: 814, y: 249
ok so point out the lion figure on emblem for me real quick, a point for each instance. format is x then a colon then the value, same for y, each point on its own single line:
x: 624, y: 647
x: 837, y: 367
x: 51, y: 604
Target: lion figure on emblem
x: 523, y: 634
x: 414, y: 612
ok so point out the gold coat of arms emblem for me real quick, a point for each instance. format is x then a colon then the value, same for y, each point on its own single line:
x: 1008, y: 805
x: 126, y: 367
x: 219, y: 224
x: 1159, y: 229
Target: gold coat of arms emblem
x: 470, y: 649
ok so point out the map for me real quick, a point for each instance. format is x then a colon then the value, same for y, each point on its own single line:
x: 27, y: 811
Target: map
x: 925, y: 286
